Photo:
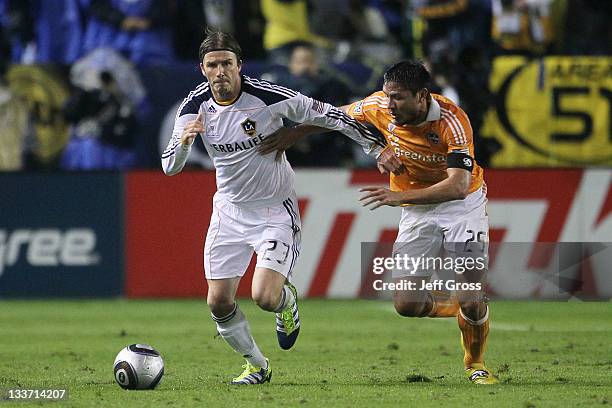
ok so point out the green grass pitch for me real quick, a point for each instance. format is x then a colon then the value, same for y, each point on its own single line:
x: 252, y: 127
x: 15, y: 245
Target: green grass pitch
x: 349, y: 354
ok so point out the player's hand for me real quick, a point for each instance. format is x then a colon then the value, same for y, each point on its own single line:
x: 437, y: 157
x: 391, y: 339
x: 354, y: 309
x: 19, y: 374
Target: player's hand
x: 380, y: 196
x: 192, y: 129
x: 280, y: 141
x: 388, y: 162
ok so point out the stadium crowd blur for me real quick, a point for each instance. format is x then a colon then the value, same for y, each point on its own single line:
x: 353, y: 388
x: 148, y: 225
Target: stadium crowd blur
x: 332, y: 50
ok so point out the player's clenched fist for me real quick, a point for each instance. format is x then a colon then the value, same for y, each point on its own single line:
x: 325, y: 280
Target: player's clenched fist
x: 388, y: 162
x: 192, y: 129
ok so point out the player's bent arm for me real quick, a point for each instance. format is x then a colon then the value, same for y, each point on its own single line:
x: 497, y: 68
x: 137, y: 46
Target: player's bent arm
x: 455, y: 187
x: 175, y: 155
x: 174, y: 163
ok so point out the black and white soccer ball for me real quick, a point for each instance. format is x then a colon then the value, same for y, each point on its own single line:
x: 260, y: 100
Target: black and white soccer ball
x: 138, y: 367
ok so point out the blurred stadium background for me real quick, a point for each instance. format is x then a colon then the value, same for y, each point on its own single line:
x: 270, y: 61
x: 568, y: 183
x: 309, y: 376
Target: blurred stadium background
x: 89, y: 90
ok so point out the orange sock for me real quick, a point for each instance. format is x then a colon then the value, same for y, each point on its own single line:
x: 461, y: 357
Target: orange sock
x: 473, y: 339
x: 444, y: 305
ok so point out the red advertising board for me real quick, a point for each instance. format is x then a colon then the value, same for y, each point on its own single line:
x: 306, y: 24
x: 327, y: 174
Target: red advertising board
x: 166, y: 222
x: 167, y: 219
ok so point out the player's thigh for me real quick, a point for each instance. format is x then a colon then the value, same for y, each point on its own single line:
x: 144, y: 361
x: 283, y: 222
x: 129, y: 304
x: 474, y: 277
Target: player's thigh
x: 466, y: 225
x: 467, y: 244
x: 418, y: 243
x: 226, y: 252
x: 278, y: 242
x: 223, y: 261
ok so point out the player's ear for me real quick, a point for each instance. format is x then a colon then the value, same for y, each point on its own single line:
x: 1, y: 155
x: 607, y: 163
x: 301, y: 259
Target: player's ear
x: 202, y: 70
x: 423, y: 94
x: 239, y: 64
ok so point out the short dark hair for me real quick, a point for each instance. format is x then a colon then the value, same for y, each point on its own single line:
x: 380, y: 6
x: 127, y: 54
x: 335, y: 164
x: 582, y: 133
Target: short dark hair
x: 410, y: 73
x: 219, y: 41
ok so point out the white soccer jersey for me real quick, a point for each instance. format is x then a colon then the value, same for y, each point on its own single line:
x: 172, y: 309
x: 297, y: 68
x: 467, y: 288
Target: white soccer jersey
x: 233, y: 132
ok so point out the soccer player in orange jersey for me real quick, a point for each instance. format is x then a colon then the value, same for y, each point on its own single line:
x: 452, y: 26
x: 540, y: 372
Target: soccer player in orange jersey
x: 441, y: 191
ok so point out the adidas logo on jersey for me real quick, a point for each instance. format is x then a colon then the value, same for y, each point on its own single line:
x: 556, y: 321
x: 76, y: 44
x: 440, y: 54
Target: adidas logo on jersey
x: 211, y: 109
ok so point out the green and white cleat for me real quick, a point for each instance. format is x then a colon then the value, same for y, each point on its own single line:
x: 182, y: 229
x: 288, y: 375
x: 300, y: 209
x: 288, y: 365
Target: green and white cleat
x: 288, y: 323
x: 254, y: 375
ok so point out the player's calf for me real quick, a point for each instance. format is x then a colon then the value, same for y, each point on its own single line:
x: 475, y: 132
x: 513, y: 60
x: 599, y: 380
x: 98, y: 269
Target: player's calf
x: 474, y: 310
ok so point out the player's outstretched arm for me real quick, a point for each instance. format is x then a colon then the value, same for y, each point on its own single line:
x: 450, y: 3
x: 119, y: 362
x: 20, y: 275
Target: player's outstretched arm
x: 179, y: 146
x: 454, y: 187
x: 302, y: 109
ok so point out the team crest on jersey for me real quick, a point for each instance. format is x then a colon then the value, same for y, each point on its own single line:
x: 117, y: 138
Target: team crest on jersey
x: 433, y: 137
x: 249, y: 127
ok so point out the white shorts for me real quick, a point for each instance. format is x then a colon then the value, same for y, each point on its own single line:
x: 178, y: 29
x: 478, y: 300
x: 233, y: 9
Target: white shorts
x: 235, y: 232
x: 453, y: 229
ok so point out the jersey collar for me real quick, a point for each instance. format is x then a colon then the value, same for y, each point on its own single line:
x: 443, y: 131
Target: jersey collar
x: 434, y: 110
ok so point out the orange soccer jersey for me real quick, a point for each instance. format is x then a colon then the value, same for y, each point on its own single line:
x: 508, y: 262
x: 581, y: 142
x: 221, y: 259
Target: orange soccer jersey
x: 422, y: 148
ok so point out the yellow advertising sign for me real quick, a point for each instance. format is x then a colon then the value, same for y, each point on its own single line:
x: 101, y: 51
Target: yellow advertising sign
x: 551, y: 112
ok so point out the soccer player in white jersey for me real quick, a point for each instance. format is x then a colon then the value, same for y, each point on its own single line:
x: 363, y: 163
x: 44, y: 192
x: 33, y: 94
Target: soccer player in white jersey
x: 255, y: 206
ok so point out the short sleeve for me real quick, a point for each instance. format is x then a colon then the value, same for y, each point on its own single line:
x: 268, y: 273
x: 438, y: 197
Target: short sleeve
x: 365, y: 109
x: 457, y: 132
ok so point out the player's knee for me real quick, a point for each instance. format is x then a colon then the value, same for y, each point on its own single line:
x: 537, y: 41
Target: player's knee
x: 266, y: 299
x: 410, y: 308
x: 220, y: 304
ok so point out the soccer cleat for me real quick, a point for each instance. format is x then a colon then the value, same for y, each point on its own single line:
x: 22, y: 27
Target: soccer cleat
x: 288, y: 323
x: 480, y: 375
x: 254, y: 375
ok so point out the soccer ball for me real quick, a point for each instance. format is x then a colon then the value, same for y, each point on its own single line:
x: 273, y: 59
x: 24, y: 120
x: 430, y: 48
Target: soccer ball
x: 138, y: 367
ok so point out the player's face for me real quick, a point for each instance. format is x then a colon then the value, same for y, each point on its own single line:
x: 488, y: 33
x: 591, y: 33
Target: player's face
x: 222, y: 70
x: 303, y: 62
x: 406, y: 107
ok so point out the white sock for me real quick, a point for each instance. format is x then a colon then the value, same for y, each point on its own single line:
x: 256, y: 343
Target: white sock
x: 235, y: 330
x: 287, y: 300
